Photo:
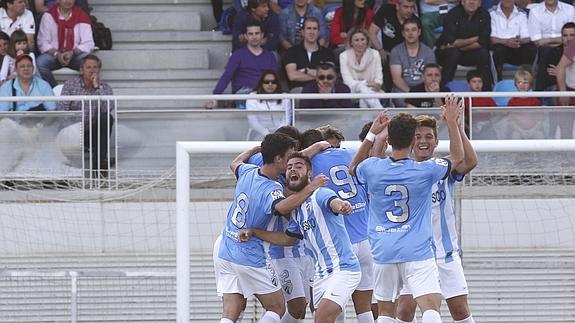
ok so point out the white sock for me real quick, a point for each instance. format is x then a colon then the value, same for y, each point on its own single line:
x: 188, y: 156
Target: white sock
x: 224, y: 320
x: 467, y: 320
x: 366, y: 317
x: 385, y: 319
x: 240, y: 318
x: 270, y: 317
x: 431, y: 316
x: 287, y: 318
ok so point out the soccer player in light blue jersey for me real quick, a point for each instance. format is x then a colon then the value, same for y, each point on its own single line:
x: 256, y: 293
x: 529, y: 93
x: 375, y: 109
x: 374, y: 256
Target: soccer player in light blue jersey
x: 241, y: 267
x: 445, y: 239
x: 400, y: 231
x: 317, y: 221
x: 334, y: 163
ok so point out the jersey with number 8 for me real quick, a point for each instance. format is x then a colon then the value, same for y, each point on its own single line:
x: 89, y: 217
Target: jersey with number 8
x: 400, y: 206
x: 253, y: 207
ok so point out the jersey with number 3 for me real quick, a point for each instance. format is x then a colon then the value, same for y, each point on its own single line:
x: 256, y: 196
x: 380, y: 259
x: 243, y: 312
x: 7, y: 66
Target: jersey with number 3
x: 333, y: 163
x: 400, y: 206
x: 255, y: 198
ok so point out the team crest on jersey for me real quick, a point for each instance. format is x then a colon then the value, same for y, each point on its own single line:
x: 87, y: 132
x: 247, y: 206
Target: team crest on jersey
x: 441, y: 161
x: 276, y: 194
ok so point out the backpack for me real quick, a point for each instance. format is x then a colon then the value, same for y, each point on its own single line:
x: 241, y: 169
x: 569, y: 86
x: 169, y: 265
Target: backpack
x: 102, y: 35
x: 227, y: 20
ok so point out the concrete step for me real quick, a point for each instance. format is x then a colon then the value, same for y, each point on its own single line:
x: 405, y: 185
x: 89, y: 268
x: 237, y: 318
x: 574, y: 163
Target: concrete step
x: 149, y: 21
x: 154, y: 60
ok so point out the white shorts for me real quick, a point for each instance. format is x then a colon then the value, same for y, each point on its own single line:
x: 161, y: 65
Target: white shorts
x: 245, y: 280
x: 216, y: 259
x: 336, y: 287
x: 420, y: 277
x: 295, y: 276
x: 451, y: 278
x: 362, y: 250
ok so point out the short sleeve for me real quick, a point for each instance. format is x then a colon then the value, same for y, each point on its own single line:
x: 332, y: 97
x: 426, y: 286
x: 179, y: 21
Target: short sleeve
x: 324, y: 196
x: 256, y: 159
x: 28, y: 23
x: 440, y: 168
x: 361, y: 170
x: 244, y: 168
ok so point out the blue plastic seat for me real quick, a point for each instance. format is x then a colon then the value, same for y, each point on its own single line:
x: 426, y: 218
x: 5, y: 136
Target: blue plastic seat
x: 458, y: 86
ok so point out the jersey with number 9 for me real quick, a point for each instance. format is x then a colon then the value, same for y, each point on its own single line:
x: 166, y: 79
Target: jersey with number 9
x: 253, y: 207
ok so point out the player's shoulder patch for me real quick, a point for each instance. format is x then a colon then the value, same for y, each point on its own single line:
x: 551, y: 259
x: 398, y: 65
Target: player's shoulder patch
x: 276, y: 194
x: 440, y: 162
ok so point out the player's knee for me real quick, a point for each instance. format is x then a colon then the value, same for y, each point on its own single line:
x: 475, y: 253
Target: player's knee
x: 323, y: 315
x: 297, y: 307
x: 458, y: 308
x: 277, y: 307
x: 406, y: 310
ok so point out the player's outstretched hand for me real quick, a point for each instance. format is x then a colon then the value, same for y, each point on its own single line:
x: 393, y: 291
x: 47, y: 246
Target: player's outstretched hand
x: 319, y: 181
x: 244, y: 235
x: 345, y: 208
x: 451, y: 109
x: 380, y: 123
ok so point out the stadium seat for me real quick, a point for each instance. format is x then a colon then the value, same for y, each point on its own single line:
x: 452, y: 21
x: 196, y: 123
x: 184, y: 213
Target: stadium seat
x: 458, y: 86
x: 504, y: 86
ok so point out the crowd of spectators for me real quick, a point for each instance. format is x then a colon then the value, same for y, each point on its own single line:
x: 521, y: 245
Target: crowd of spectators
x: 407, y: 46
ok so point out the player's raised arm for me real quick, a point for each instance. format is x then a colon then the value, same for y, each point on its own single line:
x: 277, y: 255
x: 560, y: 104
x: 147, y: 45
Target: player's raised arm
x: 278, y: 238
x: 469, y: 156
x: 243, y: 157
x: 340, y: 206
x: 293, y: 201
x: 451, y: 115
x: 378, y: 125
x: 316, y: 148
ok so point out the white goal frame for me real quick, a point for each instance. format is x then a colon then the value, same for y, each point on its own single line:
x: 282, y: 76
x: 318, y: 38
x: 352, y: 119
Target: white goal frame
x: 184, y: 150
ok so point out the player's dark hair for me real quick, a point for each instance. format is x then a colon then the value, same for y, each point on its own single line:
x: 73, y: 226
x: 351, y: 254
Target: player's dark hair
x: 331, y: 132
x: 299, y: 154
x: 427, y: 121
x: 365, y: 130
x: 292, y: 132
x: 310, y: 137
x: 401, y: 130
x: 276, y: 144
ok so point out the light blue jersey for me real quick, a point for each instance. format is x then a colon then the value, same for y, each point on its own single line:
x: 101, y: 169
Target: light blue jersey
x: 324, y: 234
x: 255, y: 197
x: 400, y: 207
x: 445, y: 239
x: 278, y: 224
x: 333, y: 163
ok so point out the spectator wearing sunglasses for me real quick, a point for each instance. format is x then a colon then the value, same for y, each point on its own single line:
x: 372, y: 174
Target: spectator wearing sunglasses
x: 325, y: 82
x: 264, y: 123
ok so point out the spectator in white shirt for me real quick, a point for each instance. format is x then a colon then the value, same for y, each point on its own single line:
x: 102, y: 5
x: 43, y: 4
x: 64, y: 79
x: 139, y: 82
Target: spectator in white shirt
x: 14, y: 16
x: 510, y: 39
x: 545, y: 22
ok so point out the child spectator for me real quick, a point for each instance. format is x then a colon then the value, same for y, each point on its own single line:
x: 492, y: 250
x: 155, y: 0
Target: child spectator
x: 482, y: 123
x: 525, y: 125
x: 4, y: 41
x: 18, y: 46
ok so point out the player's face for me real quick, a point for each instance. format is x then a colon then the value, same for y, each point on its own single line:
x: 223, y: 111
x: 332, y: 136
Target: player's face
x: 284, y: 160
x: 425, y: 143
x: 297, y: 174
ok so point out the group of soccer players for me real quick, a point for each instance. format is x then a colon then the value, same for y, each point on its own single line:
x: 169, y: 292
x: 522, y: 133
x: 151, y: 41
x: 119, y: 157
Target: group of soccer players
x: 323, y: 224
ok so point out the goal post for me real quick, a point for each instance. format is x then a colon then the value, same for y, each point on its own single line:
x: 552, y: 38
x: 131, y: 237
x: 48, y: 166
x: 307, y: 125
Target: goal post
x: 185, y: 150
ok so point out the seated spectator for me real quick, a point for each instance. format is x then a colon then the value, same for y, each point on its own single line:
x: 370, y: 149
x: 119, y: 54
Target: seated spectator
x: 361, y: 67
x: 96, y: 114
x: 257, y: 10
x: 15, y: 16
x: 545, y: 23
x: 64, y: 39
x: 565, y: 72
x: 261, y: 123
x: 18, y: 46
x: 292, y: 21
x: 246, y: 65
x: 482, y: 123
x: 510, y: 36
x: 525, y: 125
x: 387, y: 22
x: 325, y: 82
x: 408, y: 59
x: 353, y: 13
x: 301, y: 60
x: 431, y: 83
x: 26, y: 84
x: 432, y: 14
x: 39, y: 7
x: 465, y: 41
x: 4, y: 42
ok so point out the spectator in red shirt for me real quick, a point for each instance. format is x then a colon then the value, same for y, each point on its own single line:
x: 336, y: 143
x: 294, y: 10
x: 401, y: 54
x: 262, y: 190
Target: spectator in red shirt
x: 353, y: 13
x: 525, y: 125
x: 482, y: 123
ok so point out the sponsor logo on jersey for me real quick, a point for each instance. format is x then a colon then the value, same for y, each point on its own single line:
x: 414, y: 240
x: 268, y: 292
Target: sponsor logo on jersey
x: 276, y: 194
x: 441, y: 161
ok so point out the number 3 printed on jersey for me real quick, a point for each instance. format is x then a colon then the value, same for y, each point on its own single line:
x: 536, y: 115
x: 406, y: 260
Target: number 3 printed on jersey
x: 345, y: 179
x: 400, y: 203
x: 239, y: 215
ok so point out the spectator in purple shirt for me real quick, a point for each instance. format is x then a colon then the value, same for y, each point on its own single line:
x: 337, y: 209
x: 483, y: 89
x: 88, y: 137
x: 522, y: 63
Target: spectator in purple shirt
x: 246, y: 65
